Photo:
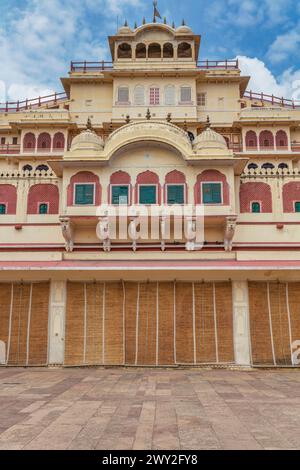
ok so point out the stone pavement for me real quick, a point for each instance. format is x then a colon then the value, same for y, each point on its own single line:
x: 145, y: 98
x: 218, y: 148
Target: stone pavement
x: 149, y: 409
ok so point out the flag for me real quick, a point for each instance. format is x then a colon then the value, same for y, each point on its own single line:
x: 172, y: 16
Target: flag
x: 156, y: 13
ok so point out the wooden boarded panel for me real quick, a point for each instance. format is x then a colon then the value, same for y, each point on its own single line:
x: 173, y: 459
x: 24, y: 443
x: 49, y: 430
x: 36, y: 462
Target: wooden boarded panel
x: 294, y: 307
x: 5, y: 301
x: 184, y: 323
x: 38, y: 332
x: 223, y: 300
x: 74, y: 338
x: 131, y: 300
x: 261, y: 344
x: 94, y: 324
x: 280, y: 323
x: 19, y: 324
x: 113, y: 349
x: 166, y: 323
x: 147, y: 319
x: 205, y: 324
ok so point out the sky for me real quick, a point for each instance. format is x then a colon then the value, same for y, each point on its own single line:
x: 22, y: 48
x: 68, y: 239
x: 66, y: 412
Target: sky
x: 39, y: 38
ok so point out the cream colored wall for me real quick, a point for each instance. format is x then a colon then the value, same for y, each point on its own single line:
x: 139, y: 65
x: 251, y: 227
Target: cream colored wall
x: 91, y: 100
x: 220, y: 112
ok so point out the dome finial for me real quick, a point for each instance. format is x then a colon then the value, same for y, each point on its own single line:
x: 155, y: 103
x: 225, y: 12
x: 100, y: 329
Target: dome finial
x: 144, y: 20
x: 165, y: 20
x: 89, y: 126
x: 173, y: 24
x: 126, y: 23
x: 148, y: 115
x: 135, y: 25
x: 183, y: 22
x: 208, y: 123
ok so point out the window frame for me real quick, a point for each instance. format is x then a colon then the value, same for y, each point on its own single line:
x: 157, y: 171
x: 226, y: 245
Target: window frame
x: 128, y: 195
x: 188, y: 102
x: 134, y: 95
x: 94, y: 194
x: 168, y: 87
x: 251, y: 207
x: 118, y: 102
x: 221, y: 192
x: 198, y: 99
x: 156, y: 194
x: 39, y: 204
x: 183, y: 185
x: 295, y: 207
x: 155, y: 103
x: 4, y: 204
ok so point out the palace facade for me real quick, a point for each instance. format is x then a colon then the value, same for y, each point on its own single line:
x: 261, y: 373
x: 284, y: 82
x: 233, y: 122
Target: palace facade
x: 155, y: 127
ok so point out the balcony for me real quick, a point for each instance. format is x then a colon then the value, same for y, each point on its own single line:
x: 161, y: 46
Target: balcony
x: 10, y: 149
x: 272, y: 100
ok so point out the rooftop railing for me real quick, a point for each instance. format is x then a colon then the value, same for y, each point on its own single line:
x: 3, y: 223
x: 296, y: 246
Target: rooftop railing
x: 84, y: 67
x: 271, y: 99
x: 17, y: 106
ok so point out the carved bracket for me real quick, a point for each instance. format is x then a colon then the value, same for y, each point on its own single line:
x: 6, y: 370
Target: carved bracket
x: 67, y: 232
x: 229, y: 232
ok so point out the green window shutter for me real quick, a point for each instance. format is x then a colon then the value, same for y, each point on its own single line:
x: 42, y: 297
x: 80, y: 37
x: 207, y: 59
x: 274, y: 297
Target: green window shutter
x: 211, y: 193
x: 297, y: 206
x: 119, y: 195
x: 84, y: 194
x: 43, y: 209
x: 147, y: 194
x: 256, y: 208
x: 2, y: 209
x: 175, y: 194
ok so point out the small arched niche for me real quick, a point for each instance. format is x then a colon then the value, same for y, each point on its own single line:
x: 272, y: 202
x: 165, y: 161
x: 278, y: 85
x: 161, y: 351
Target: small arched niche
x: 184, y: 50
x: 168, y: 51
x: 154, y: 51
x: 141, y: 51
x: 124, y: 51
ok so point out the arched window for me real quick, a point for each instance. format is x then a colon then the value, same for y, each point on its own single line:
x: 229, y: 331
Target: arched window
x: 154, y: 51
x: 44, y: 142
x: 268, y: 166
x: 252, y: 166
x: 27, y: 168
x: 148, y: 190
x: 283, y: 166
x: 58, y: 141
x: 184, y: 50
x: 2, y: 209
x: 170, y: 95
x: 168, y: 51
x: 42, y: 168
x: 282, y: 140
x: 212, y: 188
x: 266, y: 140
x: 175, y: 190
x: 141, y: 51
x: 291, y: 197
x: 255, y: 207
x: 120, y: 192
x: 43, y: 199
x: 154, y: 96
x: 84, y: 189
x: 139, y: 95
x: 8, y: 198
x: 251, y: 140
x: 185, y: 94
x: 29, y: 142
x: 124, y: 51
x: 123, y: 94
x: 253, y: 193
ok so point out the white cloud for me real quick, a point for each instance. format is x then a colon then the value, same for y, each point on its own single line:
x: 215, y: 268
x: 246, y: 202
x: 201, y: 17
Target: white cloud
x: 42, y: 37
x: 284, y: 45
x: 249, y: 13
x: 262, y: 79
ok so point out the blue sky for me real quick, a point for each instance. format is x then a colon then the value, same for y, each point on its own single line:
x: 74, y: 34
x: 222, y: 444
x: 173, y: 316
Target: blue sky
x: 38, y: 38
